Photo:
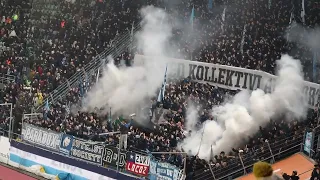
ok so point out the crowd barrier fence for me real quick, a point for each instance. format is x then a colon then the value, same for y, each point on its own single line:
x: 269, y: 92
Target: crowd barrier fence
x: 85, y: 155
x: 242, y: 164
x: 6, y: 79
x: 140, y: 164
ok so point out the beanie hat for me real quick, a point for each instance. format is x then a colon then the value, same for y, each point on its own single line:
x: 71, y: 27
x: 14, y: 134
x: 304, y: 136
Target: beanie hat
x: 262, y: 170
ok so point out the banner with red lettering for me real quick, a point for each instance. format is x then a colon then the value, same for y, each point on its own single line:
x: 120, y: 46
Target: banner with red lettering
x: 137, y: 164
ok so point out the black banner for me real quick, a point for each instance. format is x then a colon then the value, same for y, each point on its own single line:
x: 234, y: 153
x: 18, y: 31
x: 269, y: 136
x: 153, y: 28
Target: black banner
x: 87, y: 151
x: 110, y: 157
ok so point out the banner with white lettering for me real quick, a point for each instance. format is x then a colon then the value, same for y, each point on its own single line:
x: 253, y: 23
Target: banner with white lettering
x: 137, y: 164
x: 227, y: 77
x: 163, y: 171
x: 307, y: 146
x: 4, y: 149
x: 88, y: 151
x: 110, y: 157
x: 42, y: 137
x: 66, y: 144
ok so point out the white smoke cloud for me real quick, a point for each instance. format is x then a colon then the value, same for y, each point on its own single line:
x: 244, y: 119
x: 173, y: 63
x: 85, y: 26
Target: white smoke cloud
x: 192, y: 118
x: 125, y: 89
x: 242, y: 116
x: 309, y: 37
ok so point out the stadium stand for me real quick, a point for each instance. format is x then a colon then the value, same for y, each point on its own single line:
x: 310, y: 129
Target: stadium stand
x: 53, y: 43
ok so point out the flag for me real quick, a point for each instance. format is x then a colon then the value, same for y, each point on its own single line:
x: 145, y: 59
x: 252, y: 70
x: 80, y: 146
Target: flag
x: 192, y: 17
x: 223, y: 18
x: 118, y: 121
x: 110, y: 116
x: 137, y: 164
x: 242, y: 39
x: 47, y: 108
x: 81, y: 90
x: 291, y: 17
x: 314, y: 65
x: 292, y: 24
x: 210, y: 4
x: 269, y: 4
x: 303, y: 12
x: 163, y: 88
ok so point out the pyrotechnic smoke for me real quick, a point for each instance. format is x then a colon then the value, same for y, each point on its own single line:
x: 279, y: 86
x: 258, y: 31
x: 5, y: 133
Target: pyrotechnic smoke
x: 124, y: 89
x: 304, y: 36
x: 192, y: 118
x: 242, y: 116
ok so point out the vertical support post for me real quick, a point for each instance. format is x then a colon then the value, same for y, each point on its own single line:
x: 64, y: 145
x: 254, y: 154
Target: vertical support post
x: 270, y: 150
x: 312, y: 143
x: 118, y: 161
x: 185, y: 165
x: 303, y: 141
x: 10, y: 122
x: 214, y: 177
x: 244, y: 169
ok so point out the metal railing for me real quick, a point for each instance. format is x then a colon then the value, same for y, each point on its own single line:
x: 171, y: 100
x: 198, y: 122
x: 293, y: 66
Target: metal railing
x: 18, y: 138
x: 242, y: 163
x: 119, y: 45
x: 6, y: 79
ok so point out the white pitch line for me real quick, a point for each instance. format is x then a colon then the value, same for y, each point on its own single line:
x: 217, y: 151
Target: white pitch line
x: 277, y: 170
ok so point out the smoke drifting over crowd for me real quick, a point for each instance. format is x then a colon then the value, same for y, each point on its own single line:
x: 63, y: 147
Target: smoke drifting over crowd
x: 124, y: 89
x: 242, y: 116
x: 307, y: 37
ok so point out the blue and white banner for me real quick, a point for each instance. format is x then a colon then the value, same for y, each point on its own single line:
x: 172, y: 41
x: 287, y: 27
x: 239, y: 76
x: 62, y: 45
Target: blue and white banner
x: 163, y: 171
x: 26, y: 156
x: 66, y: 143
x: 4, y: 150
x: 307, y: 142
x: 90, y: 152
x: 42, y: 137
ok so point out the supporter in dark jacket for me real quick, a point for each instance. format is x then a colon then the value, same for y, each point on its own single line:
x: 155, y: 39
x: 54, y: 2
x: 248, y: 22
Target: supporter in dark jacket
x: 315, y: 175
x: 124, y: 129
x: 292, y: 177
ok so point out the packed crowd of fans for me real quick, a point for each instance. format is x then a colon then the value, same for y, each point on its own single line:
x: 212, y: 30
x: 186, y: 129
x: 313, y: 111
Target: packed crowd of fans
x: 45, y: 42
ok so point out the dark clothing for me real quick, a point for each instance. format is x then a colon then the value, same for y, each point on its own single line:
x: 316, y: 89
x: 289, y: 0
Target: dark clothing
x: 287, y: 177
x: 124, y: 128
x: 315, y: 174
